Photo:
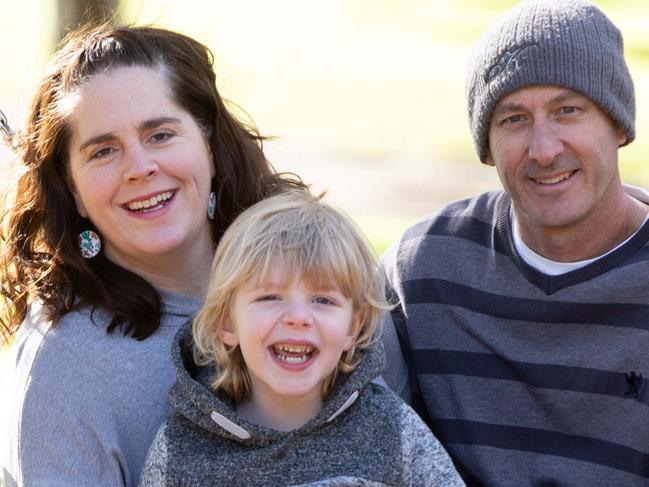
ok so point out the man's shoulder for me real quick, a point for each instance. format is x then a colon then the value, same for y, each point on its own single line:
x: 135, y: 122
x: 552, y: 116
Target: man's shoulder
x: 457, y: 218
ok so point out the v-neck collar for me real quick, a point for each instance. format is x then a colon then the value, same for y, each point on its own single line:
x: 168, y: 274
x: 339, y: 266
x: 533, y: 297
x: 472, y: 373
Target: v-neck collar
x: 551, y: 284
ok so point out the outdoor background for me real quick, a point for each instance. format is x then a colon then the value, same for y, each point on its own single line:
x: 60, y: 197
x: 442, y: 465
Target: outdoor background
x: 365, y: 97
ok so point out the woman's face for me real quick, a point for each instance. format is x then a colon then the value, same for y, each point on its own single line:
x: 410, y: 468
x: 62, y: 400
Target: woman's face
x: 140, y: 169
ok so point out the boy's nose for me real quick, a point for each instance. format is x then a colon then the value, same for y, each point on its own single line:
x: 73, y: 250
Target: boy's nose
x: 298, y: 314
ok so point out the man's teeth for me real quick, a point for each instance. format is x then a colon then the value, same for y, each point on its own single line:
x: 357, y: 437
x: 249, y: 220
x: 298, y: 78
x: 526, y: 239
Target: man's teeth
x: 152, y: 203
x: 554, y: 180
x: 293, y: 354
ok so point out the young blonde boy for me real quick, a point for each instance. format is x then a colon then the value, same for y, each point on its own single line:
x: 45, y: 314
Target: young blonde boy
x: 275, y: 386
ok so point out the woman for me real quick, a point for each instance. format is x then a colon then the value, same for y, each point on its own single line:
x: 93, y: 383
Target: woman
x: 132, y: 169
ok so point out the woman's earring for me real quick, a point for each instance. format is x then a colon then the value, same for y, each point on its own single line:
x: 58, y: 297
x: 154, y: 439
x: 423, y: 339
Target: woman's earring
x: 211, y: 206
x: 89, y: 244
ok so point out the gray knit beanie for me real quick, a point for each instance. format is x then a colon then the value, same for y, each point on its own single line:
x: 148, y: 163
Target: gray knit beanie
x: 568, y: 43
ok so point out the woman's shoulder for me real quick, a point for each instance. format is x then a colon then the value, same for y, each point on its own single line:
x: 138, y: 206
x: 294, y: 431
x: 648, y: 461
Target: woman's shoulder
x: 78, y: 352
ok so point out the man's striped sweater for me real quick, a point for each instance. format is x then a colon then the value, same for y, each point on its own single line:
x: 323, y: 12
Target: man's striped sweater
x: 527, y: 379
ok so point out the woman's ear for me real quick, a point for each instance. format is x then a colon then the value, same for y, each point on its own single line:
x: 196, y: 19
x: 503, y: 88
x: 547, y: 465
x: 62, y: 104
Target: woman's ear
x: 81, y: 209
x: 227, y: 334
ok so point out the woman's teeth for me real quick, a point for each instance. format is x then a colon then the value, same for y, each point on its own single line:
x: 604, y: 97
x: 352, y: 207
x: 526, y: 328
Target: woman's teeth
x: 152, y: 203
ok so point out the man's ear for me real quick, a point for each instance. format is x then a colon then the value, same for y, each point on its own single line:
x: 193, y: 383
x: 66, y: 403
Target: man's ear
x: 621, y: 137
x: 227, y: 334
x: 81, y: 209
x: 488, y: 159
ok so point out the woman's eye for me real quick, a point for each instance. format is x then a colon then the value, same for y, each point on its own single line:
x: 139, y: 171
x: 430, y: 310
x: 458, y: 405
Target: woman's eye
x: 161, y: 136
x: 102, y: 153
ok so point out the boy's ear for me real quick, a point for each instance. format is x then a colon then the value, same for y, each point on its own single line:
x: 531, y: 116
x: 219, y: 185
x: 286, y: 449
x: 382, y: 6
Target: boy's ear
x: 228, y: 335
x: 354, y: 330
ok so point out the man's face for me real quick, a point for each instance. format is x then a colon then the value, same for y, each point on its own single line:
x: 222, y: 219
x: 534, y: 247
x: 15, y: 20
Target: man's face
x: 556, y: 155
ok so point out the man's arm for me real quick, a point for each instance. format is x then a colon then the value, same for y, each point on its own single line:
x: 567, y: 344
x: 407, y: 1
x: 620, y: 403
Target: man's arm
x: 396, y: 373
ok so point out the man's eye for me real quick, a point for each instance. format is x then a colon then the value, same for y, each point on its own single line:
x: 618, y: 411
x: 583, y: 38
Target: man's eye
x: 514, y: 119
x: 569, y: 109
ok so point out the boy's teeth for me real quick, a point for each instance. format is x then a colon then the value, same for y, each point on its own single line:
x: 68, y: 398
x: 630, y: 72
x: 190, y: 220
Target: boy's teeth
x: 293, y: 354
x: 151, y: 202
x: 299, y: 349
x: 292, y: 359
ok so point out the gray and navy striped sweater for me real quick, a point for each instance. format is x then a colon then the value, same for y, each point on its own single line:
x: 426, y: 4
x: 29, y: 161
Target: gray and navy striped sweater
x: 527, y: 379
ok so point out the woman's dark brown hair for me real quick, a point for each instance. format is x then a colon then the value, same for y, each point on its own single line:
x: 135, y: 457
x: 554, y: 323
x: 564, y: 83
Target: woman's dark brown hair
x: 40, y: 225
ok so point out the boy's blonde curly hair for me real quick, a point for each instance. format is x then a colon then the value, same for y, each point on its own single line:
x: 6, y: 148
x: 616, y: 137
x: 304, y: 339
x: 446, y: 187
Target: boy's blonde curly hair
x: 308, y: 238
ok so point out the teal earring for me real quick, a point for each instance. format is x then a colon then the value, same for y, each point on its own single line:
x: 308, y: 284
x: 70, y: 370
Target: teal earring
x: 89, y: 244
x: 211, y: 206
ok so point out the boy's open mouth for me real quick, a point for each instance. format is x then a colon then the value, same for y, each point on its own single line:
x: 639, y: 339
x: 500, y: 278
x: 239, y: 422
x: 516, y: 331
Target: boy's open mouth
x: 291, y: 353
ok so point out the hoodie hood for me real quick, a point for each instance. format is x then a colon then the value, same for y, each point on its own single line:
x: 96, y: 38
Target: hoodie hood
x: 215, y: 412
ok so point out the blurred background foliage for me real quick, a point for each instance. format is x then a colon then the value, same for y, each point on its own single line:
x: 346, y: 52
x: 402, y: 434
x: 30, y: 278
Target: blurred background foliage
x: 365, y: 97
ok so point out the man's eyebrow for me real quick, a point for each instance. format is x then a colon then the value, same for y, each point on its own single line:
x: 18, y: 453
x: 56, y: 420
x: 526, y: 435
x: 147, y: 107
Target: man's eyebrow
x: 146, y: 125
x: 566, y: 95
x: 563, y: 96
x: 508, y: 107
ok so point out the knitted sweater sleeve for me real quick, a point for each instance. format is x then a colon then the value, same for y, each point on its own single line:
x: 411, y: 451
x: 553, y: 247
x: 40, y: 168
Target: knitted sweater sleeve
x: 425, y: 461
x: 396, y: 374
x: 154, y: 472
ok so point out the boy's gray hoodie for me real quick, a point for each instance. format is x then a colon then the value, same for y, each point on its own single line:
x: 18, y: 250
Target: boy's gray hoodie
x: 364, y: 436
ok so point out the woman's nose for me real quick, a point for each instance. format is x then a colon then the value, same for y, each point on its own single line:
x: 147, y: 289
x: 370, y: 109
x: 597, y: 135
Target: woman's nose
x: 139, y: 164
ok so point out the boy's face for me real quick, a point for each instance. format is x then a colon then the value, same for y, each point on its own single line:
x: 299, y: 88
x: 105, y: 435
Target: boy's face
x: 291, y: 336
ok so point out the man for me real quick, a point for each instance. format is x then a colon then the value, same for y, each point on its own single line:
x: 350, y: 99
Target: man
x: 523, y: 327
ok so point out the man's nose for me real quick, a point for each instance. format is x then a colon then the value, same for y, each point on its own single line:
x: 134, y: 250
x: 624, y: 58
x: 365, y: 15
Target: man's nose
x: 545, y: 143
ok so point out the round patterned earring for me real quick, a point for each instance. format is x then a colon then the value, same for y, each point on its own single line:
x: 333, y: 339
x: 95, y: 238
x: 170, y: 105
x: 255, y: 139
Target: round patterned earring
x: 211, y: 206
x: 89, y: 244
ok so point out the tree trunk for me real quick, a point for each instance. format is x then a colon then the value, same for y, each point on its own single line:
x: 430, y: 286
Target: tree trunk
x: 72, y: 13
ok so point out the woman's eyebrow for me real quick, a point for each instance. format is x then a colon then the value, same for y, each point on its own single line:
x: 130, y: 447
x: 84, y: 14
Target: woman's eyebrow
x: 145, y: 125
x: 156, y: 122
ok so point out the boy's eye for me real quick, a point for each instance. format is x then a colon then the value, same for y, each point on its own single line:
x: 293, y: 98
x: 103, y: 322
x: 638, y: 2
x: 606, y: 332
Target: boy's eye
x: 268, y: 297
